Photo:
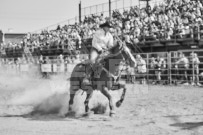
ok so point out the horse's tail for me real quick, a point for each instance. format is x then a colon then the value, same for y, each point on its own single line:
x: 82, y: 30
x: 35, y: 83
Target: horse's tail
x: 78, y: 69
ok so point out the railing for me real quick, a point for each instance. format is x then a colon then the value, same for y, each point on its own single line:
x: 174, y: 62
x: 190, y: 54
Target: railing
x: 120, y: 5
x: 168, y: 72
x: 70, y: 21
x: 171, y: 72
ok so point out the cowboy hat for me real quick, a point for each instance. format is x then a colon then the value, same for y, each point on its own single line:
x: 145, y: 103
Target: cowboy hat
x: 106, y: 24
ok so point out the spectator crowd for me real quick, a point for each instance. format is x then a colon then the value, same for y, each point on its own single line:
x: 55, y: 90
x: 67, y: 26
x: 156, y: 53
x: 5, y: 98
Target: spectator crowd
x: 182, y: 68
x: 164, y: 21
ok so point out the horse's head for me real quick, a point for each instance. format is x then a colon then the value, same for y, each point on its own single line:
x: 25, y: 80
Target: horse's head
x: 123, y: 52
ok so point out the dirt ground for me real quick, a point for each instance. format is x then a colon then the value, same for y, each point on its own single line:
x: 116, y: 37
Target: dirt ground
x: 147, y: 110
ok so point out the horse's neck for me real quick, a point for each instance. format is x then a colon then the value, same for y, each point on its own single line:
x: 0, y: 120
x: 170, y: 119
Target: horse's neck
x: 112, y: 64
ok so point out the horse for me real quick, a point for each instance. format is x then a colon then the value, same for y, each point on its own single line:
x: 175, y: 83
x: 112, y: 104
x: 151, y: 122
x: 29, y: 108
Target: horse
x: 108, y: 78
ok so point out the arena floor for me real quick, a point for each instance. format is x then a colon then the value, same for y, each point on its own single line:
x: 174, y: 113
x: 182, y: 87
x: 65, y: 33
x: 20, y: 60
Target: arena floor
x: 147, y: 110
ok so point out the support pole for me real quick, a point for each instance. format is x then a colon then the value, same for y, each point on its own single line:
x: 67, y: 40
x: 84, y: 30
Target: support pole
x: 80, y: 20
x: 110, y: 9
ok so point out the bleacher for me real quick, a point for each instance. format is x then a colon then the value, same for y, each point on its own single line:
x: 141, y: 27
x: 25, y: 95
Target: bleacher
x: 69, y: 38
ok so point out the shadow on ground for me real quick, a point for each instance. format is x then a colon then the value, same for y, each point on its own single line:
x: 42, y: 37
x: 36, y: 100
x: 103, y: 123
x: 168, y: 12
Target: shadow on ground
x: 188, y: 125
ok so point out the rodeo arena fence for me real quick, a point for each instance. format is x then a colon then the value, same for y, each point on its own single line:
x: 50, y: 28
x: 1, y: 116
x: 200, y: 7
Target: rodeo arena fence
x: 178, y: 67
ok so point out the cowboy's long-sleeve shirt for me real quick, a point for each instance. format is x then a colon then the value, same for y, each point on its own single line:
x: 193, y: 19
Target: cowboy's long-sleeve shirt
x: 102, y: 41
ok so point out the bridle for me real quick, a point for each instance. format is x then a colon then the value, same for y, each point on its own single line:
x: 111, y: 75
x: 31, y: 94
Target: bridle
x: 115, y: 77
x: 120, y: 50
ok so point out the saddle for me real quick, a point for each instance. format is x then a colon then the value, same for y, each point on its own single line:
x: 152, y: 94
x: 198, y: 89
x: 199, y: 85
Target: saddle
x: 97, y: 69
x: 98, y: 66
x: 94, y: 70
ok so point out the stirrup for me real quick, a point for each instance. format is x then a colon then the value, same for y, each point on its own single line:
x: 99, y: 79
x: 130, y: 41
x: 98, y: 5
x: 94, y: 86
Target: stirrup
x: 86, y: 81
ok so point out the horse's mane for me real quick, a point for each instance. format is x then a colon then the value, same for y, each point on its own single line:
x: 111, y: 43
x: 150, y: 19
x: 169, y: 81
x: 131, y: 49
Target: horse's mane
x: 115, y: 55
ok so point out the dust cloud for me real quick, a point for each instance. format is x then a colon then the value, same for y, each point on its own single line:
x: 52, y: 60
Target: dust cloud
x: 48, y: 96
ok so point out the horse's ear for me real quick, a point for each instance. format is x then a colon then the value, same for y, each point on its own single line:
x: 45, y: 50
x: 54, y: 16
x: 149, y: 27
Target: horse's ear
x: 119, y: 44
x: 133, y: 64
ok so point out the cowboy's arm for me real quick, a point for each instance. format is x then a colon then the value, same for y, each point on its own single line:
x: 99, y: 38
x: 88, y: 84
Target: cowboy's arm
x: 177, y: 62
x: 79, y: 38
x: 144, y: 63
x: 110, y: 42
x: 164, y: 64
x: 197, y: 61
x: 95, y: 43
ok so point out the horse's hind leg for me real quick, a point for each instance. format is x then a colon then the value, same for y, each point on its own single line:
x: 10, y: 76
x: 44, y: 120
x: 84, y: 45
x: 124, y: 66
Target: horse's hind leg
x: 106, y: 93
x: 119, y: 102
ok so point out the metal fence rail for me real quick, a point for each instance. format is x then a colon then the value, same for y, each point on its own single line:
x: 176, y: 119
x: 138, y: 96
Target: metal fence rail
x: 170, y: 72
x: 120, y: 5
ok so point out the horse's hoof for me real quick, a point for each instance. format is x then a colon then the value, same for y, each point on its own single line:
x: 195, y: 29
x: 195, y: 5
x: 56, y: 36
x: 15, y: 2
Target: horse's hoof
x: 88, y: 114
x: 112, y: 114
x: 70, y: 108
x: 62, y: 115
x: 70, y: 114
x: 118, y: 104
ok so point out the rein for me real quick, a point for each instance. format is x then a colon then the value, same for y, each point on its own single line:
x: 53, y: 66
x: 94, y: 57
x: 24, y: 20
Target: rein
x: 116, y: 54
x: 115, y: 77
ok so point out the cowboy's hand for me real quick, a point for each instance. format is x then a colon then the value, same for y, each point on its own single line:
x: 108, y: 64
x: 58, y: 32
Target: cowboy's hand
x: 100, y: 51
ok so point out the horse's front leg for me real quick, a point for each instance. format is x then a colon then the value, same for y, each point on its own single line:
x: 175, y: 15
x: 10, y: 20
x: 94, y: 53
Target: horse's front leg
x: 105, y: 92
x: 71, y: 100
x: 89, y: 95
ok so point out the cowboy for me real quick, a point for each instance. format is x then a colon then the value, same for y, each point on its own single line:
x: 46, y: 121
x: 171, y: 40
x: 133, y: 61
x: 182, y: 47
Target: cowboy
x: 102, y: 42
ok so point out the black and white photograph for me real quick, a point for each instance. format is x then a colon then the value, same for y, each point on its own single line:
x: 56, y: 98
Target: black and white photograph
x: 101, y: 67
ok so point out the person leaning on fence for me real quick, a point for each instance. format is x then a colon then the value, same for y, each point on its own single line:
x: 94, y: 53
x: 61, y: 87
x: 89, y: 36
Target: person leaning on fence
x: 141, y: 68
x: 183, y: 66
x: 129, y: 73
x: 77, y: 59
x: 45, y: 60
x: 194, y: 69
x: 152, y: 69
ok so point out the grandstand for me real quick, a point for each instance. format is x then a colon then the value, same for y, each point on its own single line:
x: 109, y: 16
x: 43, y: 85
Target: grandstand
x: 168, y: 26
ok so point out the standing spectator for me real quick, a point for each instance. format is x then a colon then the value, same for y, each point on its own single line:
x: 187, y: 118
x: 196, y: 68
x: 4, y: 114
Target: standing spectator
x: 77, y: 59
x: 160, y: 65
x: 152, y: 69
x: 194, y: 67
x: 183, y: 65
x: 129, y: 73
x: 45, y: 60
x: 60, y: 64
x: 141, y: 68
